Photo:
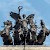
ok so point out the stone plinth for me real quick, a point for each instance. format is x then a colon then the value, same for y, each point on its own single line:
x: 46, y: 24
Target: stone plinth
x: 26, y: 48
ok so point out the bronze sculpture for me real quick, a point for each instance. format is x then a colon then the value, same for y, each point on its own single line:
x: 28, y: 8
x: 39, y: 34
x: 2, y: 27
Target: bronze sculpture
x: 23, y: 35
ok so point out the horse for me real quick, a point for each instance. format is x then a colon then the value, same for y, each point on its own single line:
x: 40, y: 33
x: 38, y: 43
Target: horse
x: 32, y: 31
x: 42, y: 34
x: 5, y: 33
x: 17, y: 35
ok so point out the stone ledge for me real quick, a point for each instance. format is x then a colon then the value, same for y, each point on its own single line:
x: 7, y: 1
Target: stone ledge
x: 26, y: 48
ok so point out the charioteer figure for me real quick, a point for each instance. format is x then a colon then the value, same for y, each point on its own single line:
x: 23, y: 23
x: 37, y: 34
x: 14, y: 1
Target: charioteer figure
x: 25, y: 29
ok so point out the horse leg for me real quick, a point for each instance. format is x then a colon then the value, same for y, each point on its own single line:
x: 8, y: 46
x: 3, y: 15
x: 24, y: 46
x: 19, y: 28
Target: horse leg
x: 16, y: 39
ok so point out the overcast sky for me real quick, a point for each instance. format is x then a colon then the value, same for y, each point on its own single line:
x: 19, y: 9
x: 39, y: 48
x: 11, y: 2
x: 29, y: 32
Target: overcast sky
x: 41, y: 9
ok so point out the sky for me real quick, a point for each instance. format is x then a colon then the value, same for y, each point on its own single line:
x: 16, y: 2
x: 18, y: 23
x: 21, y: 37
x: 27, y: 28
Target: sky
x: 41, y: 9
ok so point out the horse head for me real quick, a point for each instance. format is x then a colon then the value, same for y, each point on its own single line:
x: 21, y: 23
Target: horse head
x: 15, y: 16
x: 30, y: 17
x: 47, y: 32
x: 8, y: 24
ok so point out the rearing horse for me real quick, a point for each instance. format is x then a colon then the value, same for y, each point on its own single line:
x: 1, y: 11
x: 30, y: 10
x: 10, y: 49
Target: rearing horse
x: 42, y: 34
x: 5, y: 33
x: 17, y: 27
x: 32, y: 28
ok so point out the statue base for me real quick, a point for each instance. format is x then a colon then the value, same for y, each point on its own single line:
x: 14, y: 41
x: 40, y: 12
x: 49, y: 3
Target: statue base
x: 31, y: 47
